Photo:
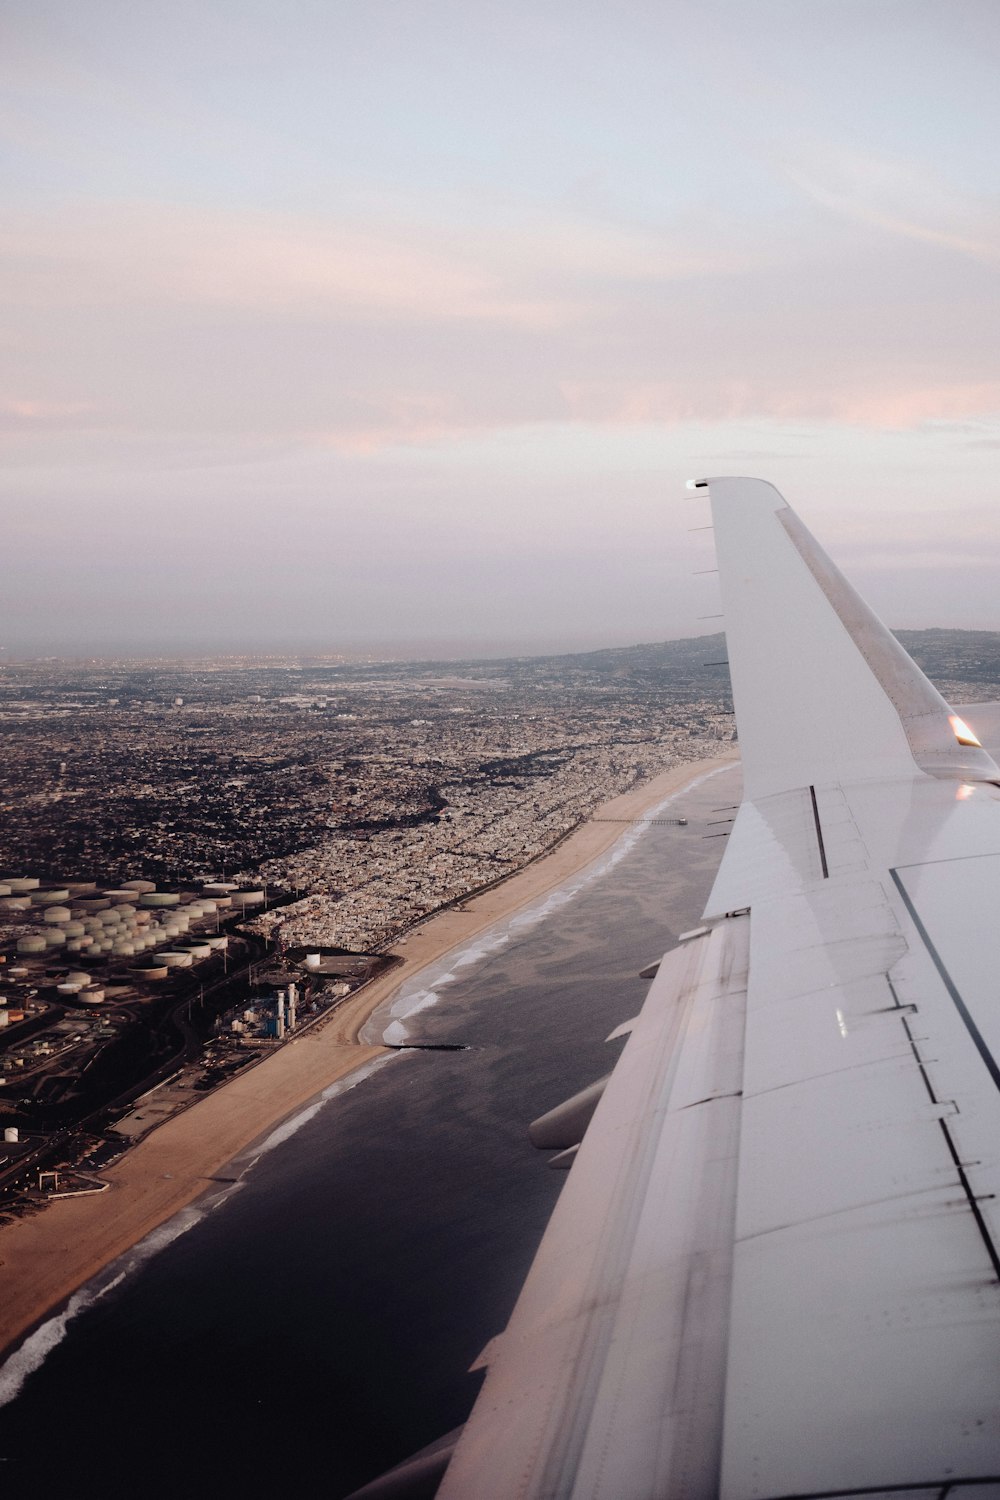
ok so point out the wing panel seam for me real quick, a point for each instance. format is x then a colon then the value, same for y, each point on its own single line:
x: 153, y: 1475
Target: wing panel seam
x: 819, y: 834
x: 949, y: 984
x: 984, y: 1052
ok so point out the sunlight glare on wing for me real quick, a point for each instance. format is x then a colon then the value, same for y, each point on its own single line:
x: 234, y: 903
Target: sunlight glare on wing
x: 963, y: 733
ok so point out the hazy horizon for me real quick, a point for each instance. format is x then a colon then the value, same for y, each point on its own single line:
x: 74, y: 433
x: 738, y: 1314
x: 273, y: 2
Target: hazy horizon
x: 444, y: 650
x: 356, y: 653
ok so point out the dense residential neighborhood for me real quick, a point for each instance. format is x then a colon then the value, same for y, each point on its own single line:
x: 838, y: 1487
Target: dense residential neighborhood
x: 197, y: 857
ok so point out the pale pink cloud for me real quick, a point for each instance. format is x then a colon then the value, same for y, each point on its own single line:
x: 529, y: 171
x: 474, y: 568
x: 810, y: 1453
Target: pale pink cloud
x: 402, y: 417
x: 542, y: 273
x: 911, y: 406
x: 43, y: 410
x: 885, y: 404
x: 360, y: 334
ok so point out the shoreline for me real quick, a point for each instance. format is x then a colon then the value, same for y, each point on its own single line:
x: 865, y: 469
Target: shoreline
x: 48, y: 1257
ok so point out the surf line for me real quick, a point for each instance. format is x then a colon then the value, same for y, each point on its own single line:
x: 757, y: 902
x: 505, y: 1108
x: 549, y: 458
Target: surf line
x: 386, y: 1026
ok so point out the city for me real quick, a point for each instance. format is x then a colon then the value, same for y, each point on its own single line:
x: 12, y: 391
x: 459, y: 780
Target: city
x: 186, y: 845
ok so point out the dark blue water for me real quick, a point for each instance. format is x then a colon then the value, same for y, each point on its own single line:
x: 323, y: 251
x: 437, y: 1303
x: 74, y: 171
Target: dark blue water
x: 316, y: 1327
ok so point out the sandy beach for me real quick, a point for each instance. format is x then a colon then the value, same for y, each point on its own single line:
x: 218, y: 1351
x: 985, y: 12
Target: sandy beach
x: 44, y: 1259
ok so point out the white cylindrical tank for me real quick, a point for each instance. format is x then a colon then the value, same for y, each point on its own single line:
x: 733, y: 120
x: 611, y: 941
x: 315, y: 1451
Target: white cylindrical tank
x: 218, y: 888
x: 159, y: 898
x: 171, y: 959
x: 248, y: 898
x: 92, y: 995
x: 122, y: 948
x: 10, y: 1135
x: 218, y: 941
x: 50, y: 898
x: 15, y: 903
x: 143, y: 887
x: 21, y: 883
x: 55, y: 937
x: 58, y: 914
x: 312, y: 960
x: 198, y: 950
x: 74, y: 929
x: 68, y: 989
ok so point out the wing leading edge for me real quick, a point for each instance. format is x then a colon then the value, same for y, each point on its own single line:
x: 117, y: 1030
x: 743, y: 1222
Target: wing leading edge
x: 773, y: 1271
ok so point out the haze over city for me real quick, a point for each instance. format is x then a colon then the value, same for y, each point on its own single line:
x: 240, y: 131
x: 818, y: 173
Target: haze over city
x: 399, y: 327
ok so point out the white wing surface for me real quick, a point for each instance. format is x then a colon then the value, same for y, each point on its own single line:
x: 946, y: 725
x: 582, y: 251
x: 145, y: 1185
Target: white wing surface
x: 773, y: 1271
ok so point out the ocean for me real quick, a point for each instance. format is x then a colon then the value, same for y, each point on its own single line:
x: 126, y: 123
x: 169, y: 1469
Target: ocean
x: 310, y: 1324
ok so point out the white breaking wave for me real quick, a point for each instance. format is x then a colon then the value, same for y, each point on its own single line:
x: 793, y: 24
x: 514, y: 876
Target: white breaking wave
x: 396, y: 1033
x: 50, y: 1334
x: 387, y: 1024
x: 33, y: 1353
x: 291, y: 1126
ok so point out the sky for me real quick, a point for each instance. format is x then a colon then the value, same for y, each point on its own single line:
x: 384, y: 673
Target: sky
x: 399, y: 325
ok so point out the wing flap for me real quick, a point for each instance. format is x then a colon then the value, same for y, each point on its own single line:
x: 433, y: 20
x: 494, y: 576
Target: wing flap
x: 608, y: 1379
x: 865, y: 1305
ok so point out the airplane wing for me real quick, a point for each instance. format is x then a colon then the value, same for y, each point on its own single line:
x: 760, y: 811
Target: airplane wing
x: 774, y: 1270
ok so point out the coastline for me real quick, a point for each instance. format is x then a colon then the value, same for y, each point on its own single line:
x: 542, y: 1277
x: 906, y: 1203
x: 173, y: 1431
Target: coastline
x: 46, y: 1258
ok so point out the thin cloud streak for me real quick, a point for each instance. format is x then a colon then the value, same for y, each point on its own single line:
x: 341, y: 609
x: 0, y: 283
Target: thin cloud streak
x: 896, y: 196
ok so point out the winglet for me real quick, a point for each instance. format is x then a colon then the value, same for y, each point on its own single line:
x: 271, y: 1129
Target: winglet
x: 822, y: 690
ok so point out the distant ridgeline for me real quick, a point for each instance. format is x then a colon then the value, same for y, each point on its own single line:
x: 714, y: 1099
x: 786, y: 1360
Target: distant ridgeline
x: 683, y: 669
x: 971, y: 656
x: 695, y: 667
x: 956, y: 655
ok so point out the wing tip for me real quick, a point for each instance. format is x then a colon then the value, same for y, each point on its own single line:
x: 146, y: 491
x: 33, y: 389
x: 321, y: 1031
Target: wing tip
x: 743, y: 489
